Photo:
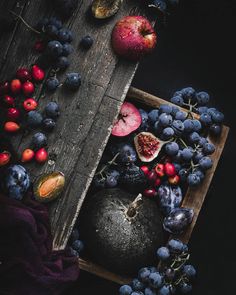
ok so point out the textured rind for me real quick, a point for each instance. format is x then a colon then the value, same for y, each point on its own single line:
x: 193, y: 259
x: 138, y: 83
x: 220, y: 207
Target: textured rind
x: 112, y: 240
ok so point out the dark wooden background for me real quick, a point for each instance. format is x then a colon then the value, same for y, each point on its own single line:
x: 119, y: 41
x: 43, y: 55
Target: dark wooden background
x: 194, y: 49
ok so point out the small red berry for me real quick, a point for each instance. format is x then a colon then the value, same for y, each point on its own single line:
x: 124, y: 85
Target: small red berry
x: 145, y: 169
x: 39, y: 46
x: 4, y: 158
x: 11, y: 127
x: 170, y: 169
x: 150, y: 192
x: 37, y: 73
x: 30, y: 104
x: 16, y: 86
x: 152, y: 176
x: 160, y: 170
x: 4, y: 87
x: 13, y: 114
x: 9, y: 100
x: 41, y: 155
x: 28, y: 88
x: 157, y: 182
x: 27, y: 155
x: 23, y: 74
x: 174, y: 179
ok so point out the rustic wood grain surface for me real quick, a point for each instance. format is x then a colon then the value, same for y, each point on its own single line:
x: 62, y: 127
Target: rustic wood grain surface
x: 83, y: 128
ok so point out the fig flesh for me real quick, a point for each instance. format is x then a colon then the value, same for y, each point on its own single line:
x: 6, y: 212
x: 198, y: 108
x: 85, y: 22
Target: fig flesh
x: 147, y: 146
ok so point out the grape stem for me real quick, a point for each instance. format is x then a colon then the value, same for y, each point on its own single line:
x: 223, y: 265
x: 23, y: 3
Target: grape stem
x: 106, y: 166
x: 24, y: 22
x: 183, y: 142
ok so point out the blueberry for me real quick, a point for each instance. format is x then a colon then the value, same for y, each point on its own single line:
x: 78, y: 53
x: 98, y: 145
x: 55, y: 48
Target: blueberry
x: 114, y: 173
x: 73, y: 81
x: 51, y: 30
x: 189, y: 271
x: 48, y: 124
x: 201, y: 110
x: 34, y: 119
x: 217, y: 117
x: 189, y: 125
x: 149, y: 291
x: 183, y: 173
x: 111, y: 181
x: 178, y: 100
x: 73, y: 252
x: 202, y: 141
x: 181, y: 115
x: 144, y: 274
x: 208, y: 148
x: 163, y: 253
x: 153, y: 116
x: 205, y: 119
x: 188, y: 93
x: 177, y: 167
x: 164, y: 290
x: 167, y: 133
x: 187, y: 154
x: 193, y: 137
x: 199, y: 173
x: 202, y: 98
x: 158, y: 128
x: 54, y: 48
x: 86, y: 42
x: 55, y: 22
x: 175, y: 109
x: 39, y: 140
x: 215, y: 129
x: 64, y: 35
x: 171, y: 148
x: 52, y: 110
x: 52, y: 83
x: 175, y: 246
x: 62, y: 63
x: 165, y: 119
x: 127, y: 154
x: 178, y: 127
x: 145, y: 124
x: 67, y: 49
x: 197, y: 157
x: 197, y: 125
x: 137, y: 285
x: 205, y: 163
x: 125, y: 290
x: 165, y: 108
x: 193, y: 179
x: 78, y: 246
x: 155, y: 280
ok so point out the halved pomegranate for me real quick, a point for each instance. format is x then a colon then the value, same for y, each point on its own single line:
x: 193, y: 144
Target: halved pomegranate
x: 147, y: 146
x: 128, y: 120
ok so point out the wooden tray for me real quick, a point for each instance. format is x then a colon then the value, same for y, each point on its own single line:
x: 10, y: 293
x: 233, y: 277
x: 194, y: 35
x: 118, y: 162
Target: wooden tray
x: 193, y: 198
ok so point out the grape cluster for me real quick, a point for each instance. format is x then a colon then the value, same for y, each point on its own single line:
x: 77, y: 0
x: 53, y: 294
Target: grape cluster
x: 187, y: 144
x: 210, y: 118
x: 76, y: 245
x: 173, y: 273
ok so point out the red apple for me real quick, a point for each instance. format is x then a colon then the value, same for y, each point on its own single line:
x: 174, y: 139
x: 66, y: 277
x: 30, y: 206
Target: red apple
x: 133, y: 37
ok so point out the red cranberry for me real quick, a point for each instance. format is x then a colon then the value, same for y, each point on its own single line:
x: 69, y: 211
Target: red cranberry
x: 160, y: 170
x: 170, y: 169
x: 145, y: 169
x: 41, y: 155
x: 30, y: 104
x: 152, y: 176
x: 13, y: 114
x: 16, y: 86
x: 37, y: 73
x: 8, y: 100
x: 23, y: 74
x: 28, y: 88
x: 150, y: 193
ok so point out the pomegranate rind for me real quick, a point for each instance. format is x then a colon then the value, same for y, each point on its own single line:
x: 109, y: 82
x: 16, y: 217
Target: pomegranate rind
x: 147, y: 146
x: 128, y: 120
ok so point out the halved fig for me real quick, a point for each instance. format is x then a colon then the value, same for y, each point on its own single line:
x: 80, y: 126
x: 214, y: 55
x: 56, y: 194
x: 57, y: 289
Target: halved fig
x: 128, y: 120
x: 147, y: 146
x: 48, y: 186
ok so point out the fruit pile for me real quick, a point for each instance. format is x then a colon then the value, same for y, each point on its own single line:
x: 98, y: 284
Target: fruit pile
x: 173, y: 274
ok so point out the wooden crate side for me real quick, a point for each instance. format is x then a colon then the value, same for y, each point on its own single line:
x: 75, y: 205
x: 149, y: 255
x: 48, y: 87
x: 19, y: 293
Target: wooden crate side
x: 194, y: 198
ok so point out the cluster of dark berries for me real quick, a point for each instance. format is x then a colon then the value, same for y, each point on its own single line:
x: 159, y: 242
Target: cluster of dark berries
x: 76, y: 245
x: 172, y: 275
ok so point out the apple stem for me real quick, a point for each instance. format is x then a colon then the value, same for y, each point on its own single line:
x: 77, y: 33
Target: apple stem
x: 132, y: 209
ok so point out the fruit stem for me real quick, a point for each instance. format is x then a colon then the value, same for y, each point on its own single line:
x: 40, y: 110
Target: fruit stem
x: 24, y: 22
x: 109, y: 163
x: 183, y: 142
x: 132, y: 209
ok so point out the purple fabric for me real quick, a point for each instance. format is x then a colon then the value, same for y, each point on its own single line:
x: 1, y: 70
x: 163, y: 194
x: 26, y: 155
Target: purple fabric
x: 27, y: 263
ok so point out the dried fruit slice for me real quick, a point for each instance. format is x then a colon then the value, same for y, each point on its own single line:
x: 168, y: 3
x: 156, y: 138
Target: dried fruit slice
x: 147, y: 146
x: 129, y: 119
x: 48, y: 186
x: 105, y: 8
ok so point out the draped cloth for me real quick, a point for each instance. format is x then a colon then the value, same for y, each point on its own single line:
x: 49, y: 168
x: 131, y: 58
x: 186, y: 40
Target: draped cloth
x: 27, y: 263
